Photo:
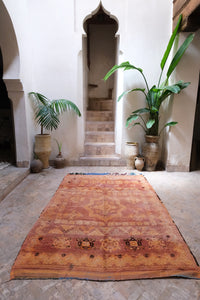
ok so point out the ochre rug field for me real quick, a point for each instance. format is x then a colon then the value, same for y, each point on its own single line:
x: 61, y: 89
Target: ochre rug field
x: 104, y: 227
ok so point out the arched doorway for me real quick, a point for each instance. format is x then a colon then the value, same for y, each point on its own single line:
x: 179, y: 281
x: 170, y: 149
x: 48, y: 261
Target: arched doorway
x: 12, y: 98
x: 7, y: 139
x: 100, y: 48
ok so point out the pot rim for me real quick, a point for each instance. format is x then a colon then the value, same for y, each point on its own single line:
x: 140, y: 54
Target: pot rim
x: 44, y: 134
x: 132, y: 143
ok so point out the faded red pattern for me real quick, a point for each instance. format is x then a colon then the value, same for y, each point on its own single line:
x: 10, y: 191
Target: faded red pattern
x: 104, y: 227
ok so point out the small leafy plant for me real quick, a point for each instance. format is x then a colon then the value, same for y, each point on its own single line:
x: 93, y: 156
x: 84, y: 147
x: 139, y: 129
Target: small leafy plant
x: 47, y: 111
x: 157, y: 93
x: 59, y: 144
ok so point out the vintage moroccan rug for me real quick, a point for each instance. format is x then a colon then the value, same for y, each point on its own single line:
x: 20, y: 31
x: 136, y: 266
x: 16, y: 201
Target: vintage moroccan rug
x: 104, y: 227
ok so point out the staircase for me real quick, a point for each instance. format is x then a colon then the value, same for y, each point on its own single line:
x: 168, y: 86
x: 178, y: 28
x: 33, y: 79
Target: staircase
x: 99, y: 147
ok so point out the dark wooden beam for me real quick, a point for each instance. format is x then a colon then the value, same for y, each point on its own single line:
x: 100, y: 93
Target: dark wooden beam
x: 190, y: 10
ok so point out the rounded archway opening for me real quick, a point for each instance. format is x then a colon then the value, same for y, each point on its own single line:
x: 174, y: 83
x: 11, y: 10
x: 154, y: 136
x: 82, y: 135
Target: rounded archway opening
x: 7, y: 137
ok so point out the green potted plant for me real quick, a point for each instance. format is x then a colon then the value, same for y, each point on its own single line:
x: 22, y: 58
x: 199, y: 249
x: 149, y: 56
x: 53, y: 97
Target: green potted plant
x: 148, y: 117
x: 59, y: 160
x: 47, y: 114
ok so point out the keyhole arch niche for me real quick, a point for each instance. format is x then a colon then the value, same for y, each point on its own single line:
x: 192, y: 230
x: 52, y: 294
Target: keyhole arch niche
x: 100, y: 52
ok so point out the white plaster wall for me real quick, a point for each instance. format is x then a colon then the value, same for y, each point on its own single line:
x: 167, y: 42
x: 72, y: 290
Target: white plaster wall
x: 49, y: 35
x: 183, y: 109
x: 8, y: 44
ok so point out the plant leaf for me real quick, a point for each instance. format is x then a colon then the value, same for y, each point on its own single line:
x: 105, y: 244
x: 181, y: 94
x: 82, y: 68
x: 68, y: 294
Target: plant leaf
x: 173, y: 89
x: 179, y: 54
x: 150, y: 123
x: 170, y: 44
x: 129, y: 91
x: 135, y: 124
x: 130, y: 119
x: 154, y: 109
x: 46, y: 117
x: 171, y: 124
x: 39, y: 98
x: 141, y: 111
x: 62, y: 105
x: 125, y: 65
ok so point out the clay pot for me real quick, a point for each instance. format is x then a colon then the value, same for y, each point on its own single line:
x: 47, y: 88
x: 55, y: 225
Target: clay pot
x: 36, y: 166
x: 151, y: 152
x: 139, y: 162
x: 59, y: 161
x: 131, y: 151
x: 43, y: 148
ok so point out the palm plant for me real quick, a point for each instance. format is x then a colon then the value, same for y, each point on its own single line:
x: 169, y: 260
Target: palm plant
x: 157, y: 93
x: 47, y: 111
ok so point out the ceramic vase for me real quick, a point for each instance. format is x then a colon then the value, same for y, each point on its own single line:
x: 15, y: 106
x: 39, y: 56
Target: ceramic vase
x: 139, y: 163
x: 36, y: 166
x: 59, y: 161
x: 131, y: 151
x: 151, y: 152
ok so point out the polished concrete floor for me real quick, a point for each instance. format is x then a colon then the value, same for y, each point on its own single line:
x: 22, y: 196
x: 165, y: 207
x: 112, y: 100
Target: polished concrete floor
x: 180, y: 193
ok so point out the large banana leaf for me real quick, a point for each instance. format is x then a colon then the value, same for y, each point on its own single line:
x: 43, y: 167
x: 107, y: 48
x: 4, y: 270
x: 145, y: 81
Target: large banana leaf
x: 172, y: 89
x: 179, y: 54
x: 170, y: 44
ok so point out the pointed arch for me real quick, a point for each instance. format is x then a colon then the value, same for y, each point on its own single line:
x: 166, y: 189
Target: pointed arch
x: 100, y: 53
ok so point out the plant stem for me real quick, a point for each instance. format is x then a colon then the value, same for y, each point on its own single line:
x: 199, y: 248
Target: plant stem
x: 142, y: 127
x: 41, y: 129
x: 145, y: 81
x: 143, y: 122
x: 160, y: 78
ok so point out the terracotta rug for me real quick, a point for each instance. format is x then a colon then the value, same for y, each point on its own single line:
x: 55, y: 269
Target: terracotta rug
x: 104, y: 227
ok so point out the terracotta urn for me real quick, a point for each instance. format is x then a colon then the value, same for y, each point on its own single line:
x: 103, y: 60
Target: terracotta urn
x: 43, y: 148
x: 151, y: 152
x: 59, y: 161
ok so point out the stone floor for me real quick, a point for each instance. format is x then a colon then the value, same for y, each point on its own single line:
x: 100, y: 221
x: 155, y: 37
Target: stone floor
x: 180, y: 193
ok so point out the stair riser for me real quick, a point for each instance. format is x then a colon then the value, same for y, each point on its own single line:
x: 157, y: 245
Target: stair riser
x: 99, y: 126
x: 99, y: 138
x: 99, y: 150
x: 99, y: 116
x: 100, y: 105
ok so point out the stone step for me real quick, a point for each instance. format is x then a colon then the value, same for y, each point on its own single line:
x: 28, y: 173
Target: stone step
x: 100, y: 104
x: 99, y: 149
x: 100, y: 160
x: 99, y: 125
x: 99, y: 115
x: 100, y: 136
x: 10, y: 177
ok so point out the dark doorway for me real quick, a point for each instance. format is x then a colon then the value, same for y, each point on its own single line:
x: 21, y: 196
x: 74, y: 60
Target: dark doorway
x: 7, y: 140
x: 101, y: 53
x: 195, y: 154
